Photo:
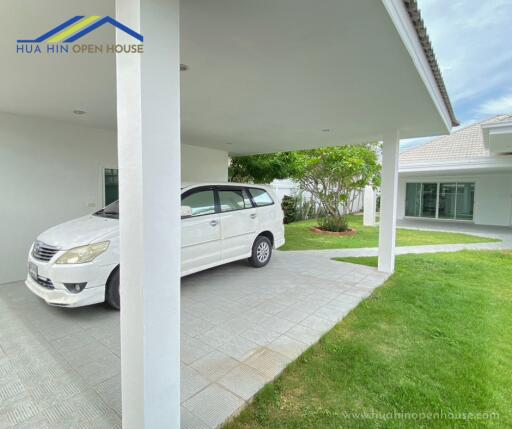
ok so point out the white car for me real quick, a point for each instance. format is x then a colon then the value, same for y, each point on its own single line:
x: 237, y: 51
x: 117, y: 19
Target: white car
x: 77, y: 263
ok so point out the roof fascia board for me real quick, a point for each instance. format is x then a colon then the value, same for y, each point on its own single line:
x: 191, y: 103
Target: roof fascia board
x: 500, y: 127
x: 401, y: 20
x: 482, y: 163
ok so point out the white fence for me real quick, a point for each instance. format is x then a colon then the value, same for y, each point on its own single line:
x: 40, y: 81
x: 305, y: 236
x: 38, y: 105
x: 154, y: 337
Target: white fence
x: 289, y: 187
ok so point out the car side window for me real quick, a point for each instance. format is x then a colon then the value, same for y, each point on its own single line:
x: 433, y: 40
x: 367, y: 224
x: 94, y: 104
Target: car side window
x: 261, y: 197
x: 234, y: 199
x: 201, y: 202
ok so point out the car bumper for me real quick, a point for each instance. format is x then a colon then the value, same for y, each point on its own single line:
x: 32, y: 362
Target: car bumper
x: 279, y: 239
x: 94, y: 275
x: 63, y: 298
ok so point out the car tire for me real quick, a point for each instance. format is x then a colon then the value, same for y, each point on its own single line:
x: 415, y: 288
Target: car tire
x: 112, y: 290
x: 261, y: 252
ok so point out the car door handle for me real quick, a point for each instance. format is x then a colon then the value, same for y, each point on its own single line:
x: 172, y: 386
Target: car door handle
x: 213, y: 222
x: 253, y: 216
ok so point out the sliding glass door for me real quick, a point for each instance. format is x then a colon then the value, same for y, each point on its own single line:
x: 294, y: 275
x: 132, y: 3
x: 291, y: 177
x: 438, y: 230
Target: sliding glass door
x: 447, y: 200
x: 413, y: 199
x: 440, y: 200
x: 428, y: 199
x: 465, y: 201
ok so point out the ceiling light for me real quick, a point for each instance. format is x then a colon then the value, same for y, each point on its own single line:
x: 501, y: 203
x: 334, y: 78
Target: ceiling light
x: 79, y: 112
x: 326, y: 130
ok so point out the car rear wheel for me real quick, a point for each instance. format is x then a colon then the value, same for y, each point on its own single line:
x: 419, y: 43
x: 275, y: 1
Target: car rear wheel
x: 112, y: 290
x: 261, y: 252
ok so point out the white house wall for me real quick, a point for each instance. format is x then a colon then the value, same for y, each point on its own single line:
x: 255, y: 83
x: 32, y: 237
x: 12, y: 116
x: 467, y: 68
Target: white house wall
x: 52, y: 171
x: 493, y: 195
x: 493, y: 200
x: 200, y: 164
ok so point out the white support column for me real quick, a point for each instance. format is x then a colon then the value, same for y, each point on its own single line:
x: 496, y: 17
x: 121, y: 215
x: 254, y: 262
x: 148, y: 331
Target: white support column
x: 369, y: 206
x: 388, y: 201
x: 148, y: 122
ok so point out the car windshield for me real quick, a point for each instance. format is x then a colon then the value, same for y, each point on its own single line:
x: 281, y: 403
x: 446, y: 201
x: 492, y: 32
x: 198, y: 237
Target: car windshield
x: 112, y: 211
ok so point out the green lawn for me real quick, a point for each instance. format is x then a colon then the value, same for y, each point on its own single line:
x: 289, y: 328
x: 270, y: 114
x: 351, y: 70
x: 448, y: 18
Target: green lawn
x: 436, y: 338
x: 299, y: 237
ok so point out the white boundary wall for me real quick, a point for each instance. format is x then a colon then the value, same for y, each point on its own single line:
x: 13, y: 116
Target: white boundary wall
x: 291, y: 188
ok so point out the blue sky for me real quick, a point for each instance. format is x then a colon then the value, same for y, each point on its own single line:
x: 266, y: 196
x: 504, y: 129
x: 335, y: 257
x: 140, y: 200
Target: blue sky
x: 472, y: 40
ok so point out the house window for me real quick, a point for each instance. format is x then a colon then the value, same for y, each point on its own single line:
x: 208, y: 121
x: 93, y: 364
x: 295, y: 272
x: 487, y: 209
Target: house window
x: 450, y: 200
x: 421, y: 199
x: 111, y: 183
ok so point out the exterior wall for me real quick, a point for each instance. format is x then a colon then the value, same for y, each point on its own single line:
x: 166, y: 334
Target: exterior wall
x: 493, y: 195
x: 199, y: 164
x: 52, y: 171
x: 289, y: 187
x: 493, y: 200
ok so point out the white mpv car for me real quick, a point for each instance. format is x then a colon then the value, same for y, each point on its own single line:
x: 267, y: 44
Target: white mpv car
x: 77, y: 263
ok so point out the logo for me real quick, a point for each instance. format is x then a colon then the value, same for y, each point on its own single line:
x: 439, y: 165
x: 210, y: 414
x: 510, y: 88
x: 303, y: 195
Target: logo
x: 63, y: 38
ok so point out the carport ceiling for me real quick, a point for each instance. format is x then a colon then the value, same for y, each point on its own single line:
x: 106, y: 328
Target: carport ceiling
x: 262, y: 75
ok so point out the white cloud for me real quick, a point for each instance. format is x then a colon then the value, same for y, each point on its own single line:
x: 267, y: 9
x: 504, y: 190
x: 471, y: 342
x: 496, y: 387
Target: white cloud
x: 471, y: 39
x: 497, y: 106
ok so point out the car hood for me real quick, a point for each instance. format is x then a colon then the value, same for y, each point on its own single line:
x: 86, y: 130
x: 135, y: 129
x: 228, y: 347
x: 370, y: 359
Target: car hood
x: 81, y: 231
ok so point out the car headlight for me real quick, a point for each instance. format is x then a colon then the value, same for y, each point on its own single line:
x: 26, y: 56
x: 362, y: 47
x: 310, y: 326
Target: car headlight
x: 83, y: 254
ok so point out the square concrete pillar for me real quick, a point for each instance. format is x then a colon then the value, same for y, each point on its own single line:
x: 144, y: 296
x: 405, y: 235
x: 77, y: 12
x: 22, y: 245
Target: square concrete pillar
x: 369, y: 206
x: 148, y: 122
x: 388, y: 202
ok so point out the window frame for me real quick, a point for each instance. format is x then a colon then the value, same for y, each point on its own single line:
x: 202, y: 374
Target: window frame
x: 192, y: 191
x: 217, y: 188
x: 438, y: 183
x: 232, y: 188
x: 260, y: 189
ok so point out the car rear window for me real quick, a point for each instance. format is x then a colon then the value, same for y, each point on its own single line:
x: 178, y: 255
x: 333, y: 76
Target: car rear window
x: 261, y: 197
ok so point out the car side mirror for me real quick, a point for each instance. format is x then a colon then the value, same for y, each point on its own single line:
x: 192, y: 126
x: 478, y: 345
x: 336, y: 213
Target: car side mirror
x: 186, y: 211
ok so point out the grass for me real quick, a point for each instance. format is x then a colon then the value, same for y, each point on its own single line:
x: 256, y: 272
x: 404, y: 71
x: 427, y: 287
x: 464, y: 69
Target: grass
x: 299, y: 237
x: 436, y: 338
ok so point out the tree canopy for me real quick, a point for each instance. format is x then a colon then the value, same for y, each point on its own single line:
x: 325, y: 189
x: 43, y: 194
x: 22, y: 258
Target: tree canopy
x: 262, y: 168
x: 333, y: 176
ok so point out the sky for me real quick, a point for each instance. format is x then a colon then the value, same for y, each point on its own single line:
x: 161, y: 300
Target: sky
x: 472, y: 40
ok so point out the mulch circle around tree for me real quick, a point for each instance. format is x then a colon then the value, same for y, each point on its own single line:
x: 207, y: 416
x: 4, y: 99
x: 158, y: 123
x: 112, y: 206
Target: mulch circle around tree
x: 346, y: 233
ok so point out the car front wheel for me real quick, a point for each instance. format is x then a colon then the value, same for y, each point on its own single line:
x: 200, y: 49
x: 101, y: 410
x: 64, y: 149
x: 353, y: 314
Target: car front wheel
x: 261, y: 252
x: 112, y: 290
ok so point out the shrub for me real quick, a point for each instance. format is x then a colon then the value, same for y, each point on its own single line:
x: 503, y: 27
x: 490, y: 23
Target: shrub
x: 333, y: 223
x: 289, y: 206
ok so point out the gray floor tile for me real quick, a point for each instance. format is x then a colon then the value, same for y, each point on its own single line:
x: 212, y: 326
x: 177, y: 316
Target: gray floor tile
x: 60, y: 368
x: 268, y: 362
x: 214, y: 365
x: 213, y: 405
x: 191, y: 382
x: 239, y: 348
x: 243, y: 381
x: 288, y: 346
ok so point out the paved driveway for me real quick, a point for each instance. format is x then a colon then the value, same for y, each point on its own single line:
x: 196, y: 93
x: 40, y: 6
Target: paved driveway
x: 60, y: 368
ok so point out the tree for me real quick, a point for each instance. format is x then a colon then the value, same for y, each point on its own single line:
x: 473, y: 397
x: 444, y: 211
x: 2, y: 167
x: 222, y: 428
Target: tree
x: 262, y: 168
x: 335, y: 176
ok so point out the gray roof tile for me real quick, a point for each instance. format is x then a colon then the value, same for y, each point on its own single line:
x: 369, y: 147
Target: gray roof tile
x: 466, y: 143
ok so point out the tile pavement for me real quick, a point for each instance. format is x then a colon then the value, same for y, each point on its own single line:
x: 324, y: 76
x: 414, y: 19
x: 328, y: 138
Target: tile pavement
x: 60, y: 368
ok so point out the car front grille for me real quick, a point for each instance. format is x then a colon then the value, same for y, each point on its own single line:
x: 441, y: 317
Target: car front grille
x: 43, y: 252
